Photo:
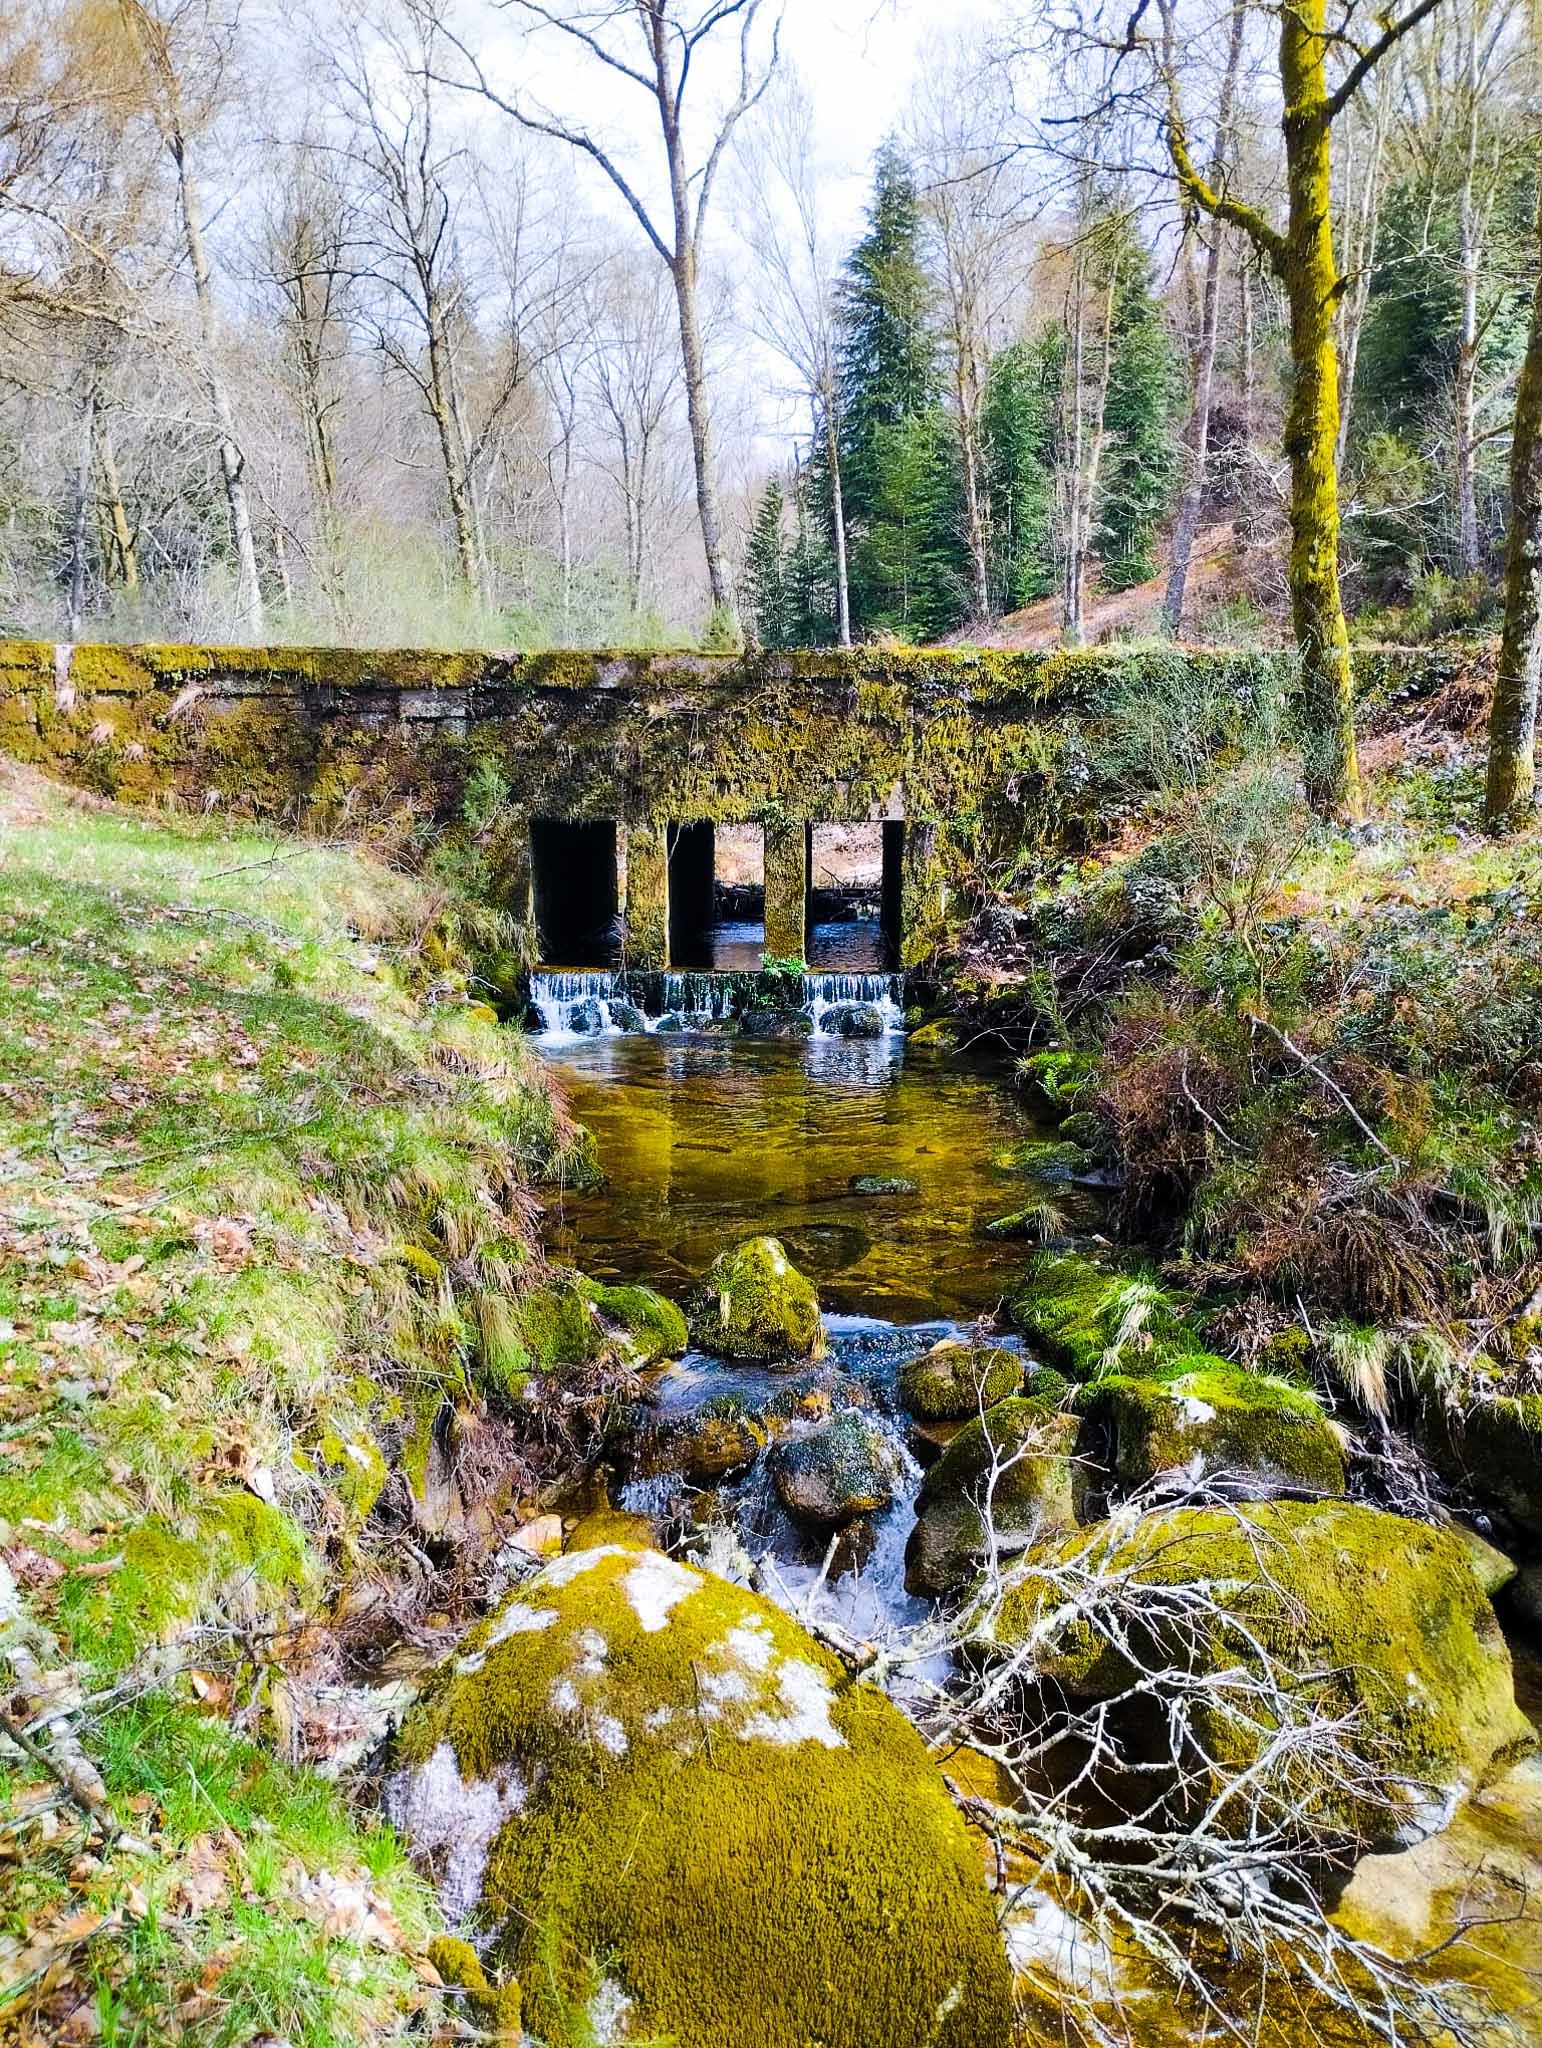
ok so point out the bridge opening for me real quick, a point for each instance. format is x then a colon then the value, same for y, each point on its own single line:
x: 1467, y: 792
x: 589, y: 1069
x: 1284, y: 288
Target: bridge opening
x: 717, y: 897
x: 577, y: 887
x: 855, y: 889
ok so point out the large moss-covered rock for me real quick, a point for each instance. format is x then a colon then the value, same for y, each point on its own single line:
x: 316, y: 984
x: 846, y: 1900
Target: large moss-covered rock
x: 673, y: 1818
x: 844, y: 1468
x: 1035, y: 1493
x: 1494, y: 1445
x: 1088, y: 1322
x: 755, y: 1304
x: 1377, y: 1622
x: 573, y: 1320
x: 777, y: 1024
x: 955, y: 1379
x: 1238, y: 1432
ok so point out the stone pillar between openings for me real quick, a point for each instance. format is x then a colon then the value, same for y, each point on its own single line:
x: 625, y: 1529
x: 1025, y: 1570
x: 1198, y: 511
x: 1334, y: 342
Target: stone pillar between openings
x: 647, y: 898
x: 786, y: 876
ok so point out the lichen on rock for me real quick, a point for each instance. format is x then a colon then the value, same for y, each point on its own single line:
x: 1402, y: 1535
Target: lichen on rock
x: 755, y: 1305
x: 716, y: 1833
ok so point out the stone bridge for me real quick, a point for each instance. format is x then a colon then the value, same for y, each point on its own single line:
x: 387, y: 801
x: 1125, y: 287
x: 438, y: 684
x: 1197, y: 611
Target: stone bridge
x: 589, y: 786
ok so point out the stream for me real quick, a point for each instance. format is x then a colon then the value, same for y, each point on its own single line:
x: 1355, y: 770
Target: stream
x: 708, y: 1141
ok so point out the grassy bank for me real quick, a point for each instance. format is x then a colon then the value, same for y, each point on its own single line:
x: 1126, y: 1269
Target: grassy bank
x: 267, y: 1195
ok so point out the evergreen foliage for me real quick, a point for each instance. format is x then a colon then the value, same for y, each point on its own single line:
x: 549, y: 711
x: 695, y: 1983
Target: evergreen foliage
x: 1020, y: 422
x: 765, y: 585
x: 899, y: 468
x: 1141, y: 463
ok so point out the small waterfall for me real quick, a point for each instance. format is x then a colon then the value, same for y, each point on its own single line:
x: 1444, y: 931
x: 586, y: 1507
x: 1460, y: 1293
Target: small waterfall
x: 704, y: 998
x: 883, y: 992
x: 556, y: 996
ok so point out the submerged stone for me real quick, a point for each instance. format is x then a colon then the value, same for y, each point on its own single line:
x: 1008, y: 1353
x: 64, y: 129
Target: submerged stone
x: 847, y: 1467
x: 669, y: 1815
x: 754, y: 1304
x: 1035, y: 1492
x: 876, y: 1184
x: 1375, y: 1622
x: 853, y: 1020
x: 776, y: 1024
x: 955, y: 1379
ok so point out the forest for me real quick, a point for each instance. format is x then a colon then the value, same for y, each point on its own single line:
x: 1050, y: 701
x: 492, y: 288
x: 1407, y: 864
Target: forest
x: 316, y: 333
x: 770, y: 1023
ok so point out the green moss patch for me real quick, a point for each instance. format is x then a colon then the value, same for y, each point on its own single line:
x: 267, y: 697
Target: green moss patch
x: 1215, y: 1424
x: 954, y: 1380
x: 705, y: 1826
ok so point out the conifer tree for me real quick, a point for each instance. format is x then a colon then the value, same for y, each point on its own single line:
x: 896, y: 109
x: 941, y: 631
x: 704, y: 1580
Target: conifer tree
x: 897, y: 460
x: 1140, y: 468
x: 765, y: 582
x: 1021, y: 447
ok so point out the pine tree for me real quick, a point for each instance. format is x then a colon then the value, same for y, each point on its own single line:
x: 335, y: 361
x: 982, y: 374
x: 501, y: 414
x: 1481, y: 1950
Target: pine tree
x: 1141, y: 465
x: 898, y: 463
x: 765, y: 578
x: 1019, y: 423
x: 809, y: 573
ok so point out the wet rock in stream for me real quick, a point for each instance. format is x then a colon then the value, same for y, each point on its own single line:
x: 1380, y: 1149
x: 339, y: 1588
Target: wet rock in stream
x: 846, y: 1467
x: 754, y: 1304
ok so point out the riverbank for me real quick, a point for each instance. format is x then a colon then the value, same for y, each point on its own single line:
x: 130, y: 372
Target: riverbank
x: 265, y: 1175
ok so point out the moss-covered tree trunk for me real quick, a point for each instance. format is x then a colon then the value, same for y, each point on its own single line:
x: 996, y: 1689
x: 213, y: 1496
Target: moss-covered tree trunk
x: 1312, y: 285
x: 1512, y: 741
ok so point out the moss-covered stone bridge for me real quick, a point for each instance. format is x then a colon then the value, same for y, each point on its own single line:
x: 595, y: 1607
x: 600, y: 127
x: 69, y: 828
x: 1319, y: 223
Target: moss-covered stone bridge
x: 588, y: 783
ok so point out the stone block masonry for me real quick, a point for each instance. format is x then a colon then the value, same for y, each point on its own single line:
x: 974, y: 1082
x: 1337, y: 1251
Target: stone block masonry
x: 969, y: 756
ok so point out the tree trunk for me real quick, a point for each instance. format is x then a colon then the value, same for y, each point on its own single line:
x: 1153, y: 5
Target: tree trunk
x: 693, y: 363
x: 1363, y: 260
x: 1071, y: 613
x: 80, y: 513
x: 1513, y: 721
x: 232, y: 462
x: 1311, y: 429
x: 837, y: 519
x: 454, y: 475
x: 122, y: 533
x: 1246, y: 379
x: 1469, y: 254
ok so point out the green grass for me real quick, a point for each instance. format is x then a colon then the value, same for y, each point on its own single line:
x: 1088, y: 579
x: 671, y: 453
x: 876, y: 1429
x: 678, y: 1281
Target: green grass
x: 253, y: 1182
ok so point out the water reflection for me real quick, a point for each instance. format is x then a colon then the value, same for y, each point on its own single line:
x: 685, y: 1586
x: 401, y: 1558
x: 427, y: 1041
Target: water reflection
x: 705, y: 1142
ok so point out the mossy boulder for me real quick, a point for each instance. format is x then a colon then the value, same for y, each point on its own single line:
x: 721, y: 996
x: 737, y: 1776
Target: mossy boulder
x: 853, y: 1020
x: 955, y: 1379
x: 941, y: 1035
x: 1377, y: 1622
x: 879, y: 1184
x: 718, y: 1440
x: 669, y: 1815
x: 1035, y: 1494
x: 572, y: 1320
x: 1240, y: 1433
x: 844, y: 1468
x: 1054, y: 1081
x: 754, y: 1304
x: 626, y: 1016
x: 1088, y: 1321
x: 1494, y: 1445
x: 776, y: 1024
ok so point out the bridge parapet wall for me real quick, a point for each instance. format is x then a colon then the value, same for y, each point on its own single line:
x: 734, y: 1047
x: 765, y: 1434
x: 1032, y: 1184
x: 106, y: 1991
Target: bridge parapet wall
x: 977, y: 749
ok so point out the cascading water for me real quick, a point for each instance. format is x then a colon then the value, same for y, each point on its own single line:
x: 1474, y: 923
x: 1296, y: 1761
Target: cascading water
x: 884, y: 993
x: 578, y: 1003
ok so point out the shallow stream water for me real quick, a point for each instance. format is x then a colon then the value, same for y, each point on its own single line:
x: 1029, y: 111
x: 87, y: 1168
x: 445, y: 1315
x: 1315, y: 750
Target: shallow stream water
x: 707, y: 1141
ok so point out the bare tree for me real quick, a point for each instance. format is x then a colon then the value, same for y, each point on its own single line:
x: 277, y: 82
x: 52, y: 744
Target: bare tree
x: 1206, y: 339
x: 635, y: 369
x: 974, y: 200
x: 783, y: 221
x: 186, y: 48
x: 654, y: 45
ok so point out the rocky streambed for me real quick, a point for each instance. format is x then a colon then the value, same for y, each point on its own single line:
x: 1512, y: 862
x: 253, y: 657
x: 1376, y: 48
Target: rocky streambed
x: 701, y: 1775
